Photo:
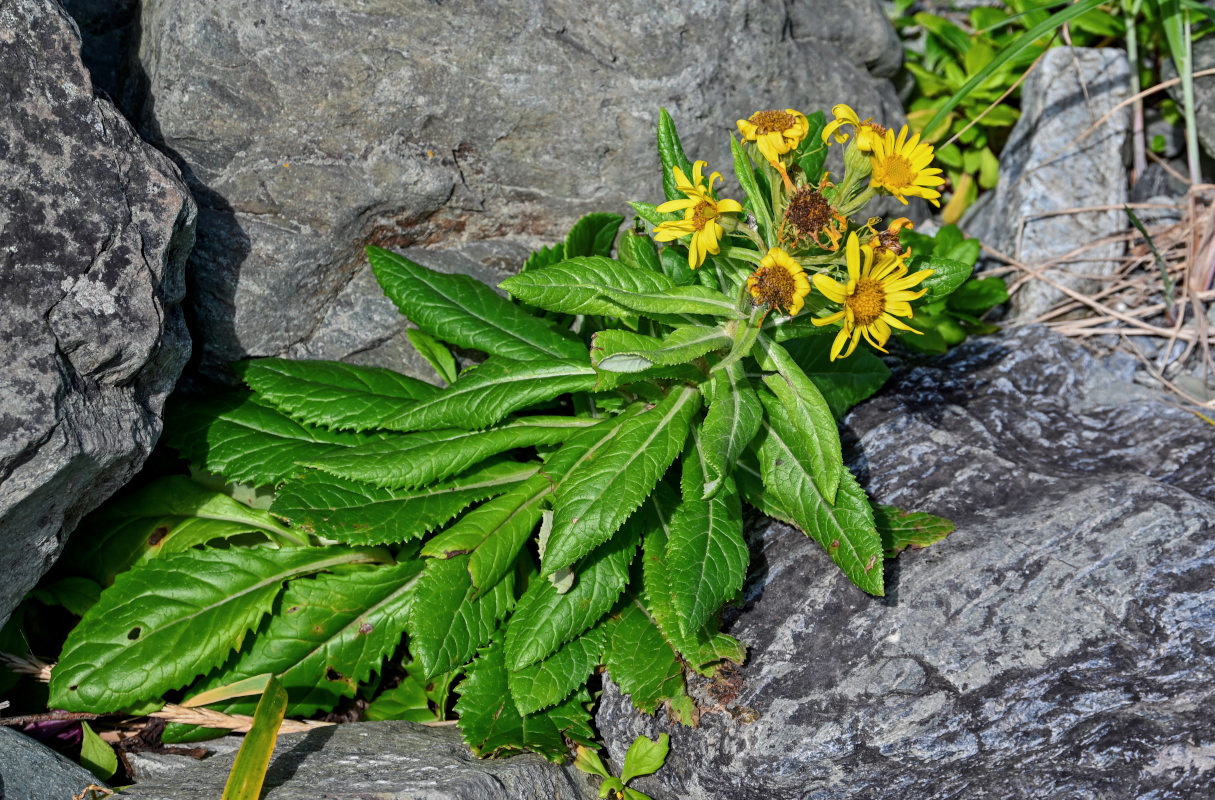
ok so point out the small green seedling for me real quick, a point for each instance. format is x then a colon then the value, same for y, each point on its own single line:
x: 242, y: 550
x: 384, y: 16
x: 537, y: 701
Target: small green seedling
x: 645, y: 757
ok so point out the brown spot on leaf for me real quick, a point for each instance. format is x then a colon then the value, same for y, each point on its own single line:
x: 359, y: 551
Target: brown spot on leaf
x: 366, y: 628
x: 872, y: 560
x: 157, y: 535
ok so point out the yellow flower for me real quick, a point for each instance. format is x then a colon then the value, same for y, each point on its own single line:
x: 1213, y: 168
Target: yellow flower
x: 888, y: 240
x: 700, y: 213
x: 775, y: 132
x: 866, y: 132
x: 780, y: 282
x: 875, y: 295
x: 900, y: 167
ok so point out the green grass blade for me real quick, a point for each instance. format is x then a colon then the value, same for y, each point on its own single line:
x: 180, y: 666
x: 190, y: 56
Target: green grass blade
x: 253, y: 758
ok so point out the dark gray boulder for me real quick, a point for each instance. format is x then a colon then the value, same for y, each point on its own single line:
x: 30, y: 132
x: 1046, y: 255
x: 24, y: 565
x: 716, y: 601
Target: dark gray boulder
x: 94, y: 230
x: 378, y: 761
x: 30, y: 771
x: 476, y: 131
x: 1060, y: 643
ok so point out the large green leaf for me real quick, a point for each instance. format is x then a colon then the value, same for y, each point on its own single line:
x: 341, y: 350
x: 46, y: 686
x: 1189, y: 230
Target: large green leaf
x: 168, y: 516
x: 706, y: 556
x: 670, y: 153
x: 805, y: 417
x: 592, y: 235
x: 328, y: 635
x: 730, y: 424
x: 421, y: 458
x: 492, y: 724
x: 845, y: 381
x: 359, y: 513
x: 599, y: 496
x: 555, y: 678
x: 547, y: 618
x: 624, y: 351
x: 638, y: 251
x: 448, y: 621
x: 582, y: 286
x: 331, y: 393
x: 165, y: 621
x: 704, y: 648
x: 946, y: 276
x: 467, y: 313
x: 484, y: 395
x: 640, y: 660
x: 247, y: 441
x: 845, y: 530
x: 668, y: 305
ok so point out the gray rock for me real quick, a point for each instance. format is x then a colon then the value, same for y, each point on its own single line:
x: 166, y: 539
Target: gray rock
x: 1043, y: 174
x: 30, y: 771
x: 94, y: 231
x: 310, y: 128
x: 1060, y: 643
x: 379, y: 761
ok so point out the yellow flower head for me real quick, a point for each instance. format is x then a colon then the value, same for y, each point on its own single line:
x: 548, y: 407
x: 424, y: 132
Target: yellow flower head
x: 866, y: 131
x: 780, y: 282
x: 700, y: 213
x: 888, y: 240
x: 775, y: 132
x: 877, y: 293
x: 900, y: 167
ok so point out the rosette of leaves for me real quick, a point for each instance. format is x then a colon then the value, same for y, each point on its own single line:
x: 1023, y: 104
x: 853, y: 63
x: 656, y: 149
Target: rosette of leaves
x: 572, y: 501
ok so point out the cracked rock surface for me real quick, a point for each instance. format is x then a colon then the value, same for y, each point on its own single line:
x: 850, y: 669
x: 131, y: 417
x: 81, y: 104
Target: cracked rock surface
x: 94, y: 229
x: 466, y: 134
x: 1060, y: 643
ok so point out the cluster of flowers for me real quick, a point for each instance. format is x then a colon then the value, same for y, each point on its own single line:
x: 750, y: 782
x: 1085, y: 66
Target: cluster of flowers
x: 814, y: 223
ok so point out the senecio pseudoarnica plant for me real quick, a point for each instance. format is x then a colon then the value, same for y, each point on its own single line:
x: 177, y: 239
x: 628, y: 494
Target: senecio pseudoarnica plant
x: 572, y: 502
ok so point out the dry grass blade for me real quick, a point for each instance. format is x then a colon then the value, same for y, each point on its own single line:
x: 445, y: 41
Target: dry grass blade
x: 237, y: 723
x: 27, y: 665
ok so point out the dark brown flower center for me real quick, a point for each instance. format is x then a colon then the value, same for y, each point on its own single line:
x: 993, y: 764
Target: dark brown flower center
x: 808, y: 211
x: 772, y: 121
x: 867, y: 301
x: 774, y: 286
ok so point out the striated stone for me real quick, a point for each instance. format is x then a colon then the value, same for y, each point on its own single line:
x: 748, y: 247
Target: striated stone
x: 1060, y: 643
x: 378, y: 761
x: 94, y: 230
x: 1045, y: 174
x: 30, y: 771
x: 308, y: 129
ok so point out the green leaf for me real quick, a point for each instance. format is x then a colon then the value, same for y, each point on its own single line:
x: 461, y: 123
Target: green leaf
x: 588, y: 761
x: 414, y: 699
x: 625, y: 351
x: 649, y: 212
x: 75, y: 594
x: 592, y: 235
x: 674, y: 260
x: 645, y: 757
x: 705, y: 648
x: 438, y: 356
x: 465, y: 312
x: 730, y: 424
x: 447, y: 621
x: 165, y: 621
x: 168, y: 516
x: 843, y: 382
x: 544, y: 257
x: 416, y: 459
x: 492, y: 724
x: 676, y: 301
x: 706, y: 555
x: 978, y: 295
x: 947, y: 275
x: 812, y: 153
x: 359, y: 513
x: 670, y: 152
x: 757, y: 201
x: 546, y: 618
x: 901, y: 529
x: 249, y: 442
x: 600, y: 495
x: 95, y: 755
x: 638, y: 252
x: 581, y: 286
x: 805, y: 419
x: 328, y: 635
x: 550, y: 681
x: 253, y: 759
x: 845, y: 530
x: 484, y: 395
x: 639, y: 659
x: 330, y: 393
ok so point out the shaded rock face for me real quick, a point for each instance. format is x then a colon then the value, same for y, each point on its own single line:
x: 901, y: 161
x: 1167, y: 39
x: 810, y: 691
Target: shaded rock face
x: 308, y: 129
x: 30, y: 771
x: 378, y: 761
x: 94, y: 230
x: 1061, y: 643
x: 1045, y: 172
